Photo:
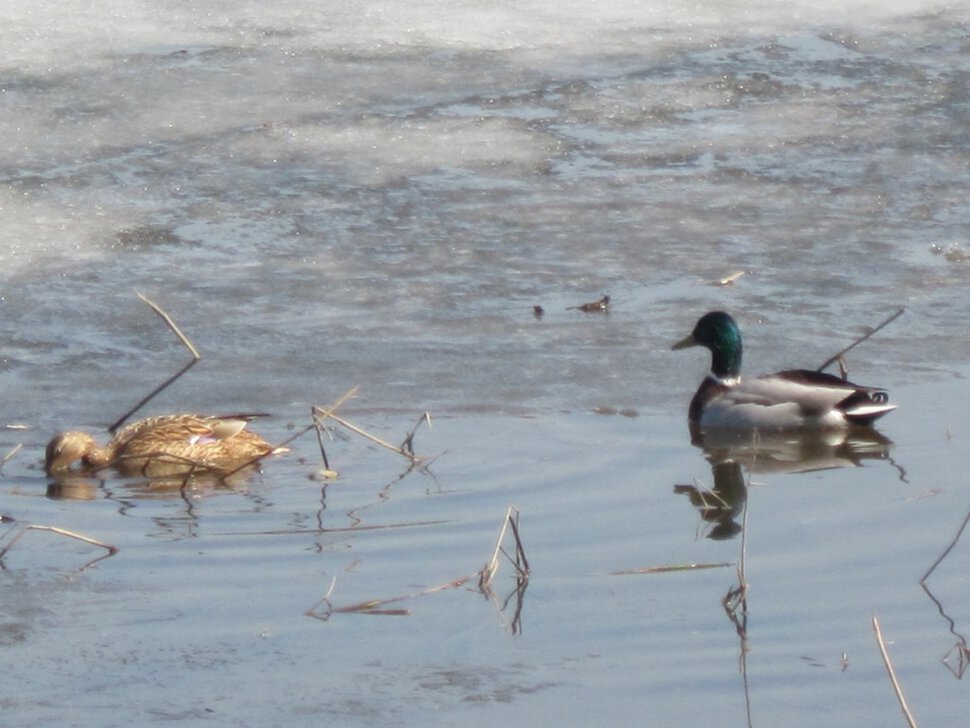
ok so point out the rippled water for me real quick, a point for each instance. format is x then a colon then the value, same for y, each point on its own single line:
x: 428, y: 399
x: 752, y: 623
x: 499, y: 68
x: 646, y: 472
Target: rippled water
x: 330, y: 195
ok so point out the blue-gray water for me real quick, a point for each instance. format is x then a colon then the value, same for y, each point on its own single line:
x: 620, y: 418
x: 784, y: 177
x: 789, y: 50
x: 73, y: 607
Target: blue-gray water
x: 328, y: 195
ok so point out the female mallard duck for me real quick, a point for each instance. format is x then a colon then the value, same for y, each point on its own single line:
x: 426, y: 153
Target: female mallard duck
x: 793, y: 399
x: 163, y: 445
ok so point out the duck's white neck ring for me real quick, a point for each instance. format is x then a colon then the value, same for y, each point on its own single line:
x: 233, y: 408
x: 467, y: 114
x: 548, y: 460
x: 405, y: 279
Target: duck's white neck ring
x: 725, y: 381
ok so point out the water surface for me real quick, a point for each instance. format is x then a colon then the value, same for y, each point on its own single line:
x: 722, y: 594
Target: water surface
x: 325, y: 196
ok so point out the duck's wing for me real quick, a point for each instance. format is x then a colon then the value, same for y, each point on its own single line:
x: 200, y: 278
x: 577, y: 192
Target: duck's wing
x: 185, y: 441
x: 816, y: 395
x: 173, y: 432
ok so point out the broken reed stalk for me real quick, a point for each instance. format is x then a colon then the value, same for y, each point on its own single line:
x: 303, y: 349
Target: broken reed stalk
x: 836, y: 357
x: 171, y: 324
x: 321, y: 413
x: 374, y: 606
x: 377, y: 606
x: 150, y: 396
x: 520, y: 562
x: 668, y: 569
x: 112, y: 550
x: 10, y: 454
x: 408, y: 443
x: 196, y: 356
x: 320, y: 427
x: 892, y: 673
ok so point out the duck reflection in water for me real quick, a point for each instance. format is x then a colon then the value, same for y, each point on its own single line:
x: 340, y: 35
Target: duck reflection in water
x: 734, y: 455
x: 721, y: 505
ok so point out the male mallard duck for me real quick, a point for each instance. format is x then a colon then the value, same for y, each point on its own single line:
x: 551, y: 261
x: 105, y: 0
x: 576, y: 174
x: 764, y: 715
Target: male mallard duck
x: 162, y: 445
x: 798, y: 398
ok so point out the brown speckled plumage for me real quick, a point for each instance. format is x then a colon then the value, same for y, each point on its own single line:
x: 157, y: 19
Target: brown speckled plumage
x: 164, y: 445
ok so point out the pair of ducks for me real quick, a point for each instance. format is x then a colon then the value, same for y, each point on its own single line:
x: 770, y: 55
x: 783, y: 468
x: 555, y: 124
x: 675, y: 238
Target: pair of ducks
x: 788, y: 400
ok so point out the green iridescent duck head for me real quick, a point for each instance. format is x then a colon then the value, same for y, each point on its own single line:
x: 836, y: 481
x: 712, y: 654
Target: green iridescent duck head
x: 719, y: 333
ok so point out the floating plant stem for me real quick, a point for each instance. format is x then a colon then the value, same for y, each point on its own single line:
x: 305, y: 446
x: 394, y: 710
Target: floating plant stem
x: 112, y: 550
x: 671, y: 568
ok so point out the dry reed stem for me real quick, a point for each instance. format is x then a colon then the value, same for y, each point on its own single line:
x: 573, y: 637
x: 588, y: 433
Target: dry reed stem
x: 892, y: 673
x: 668, y: 569
x: 196, y: 356
x: 10, y: 454
x: 836, y: 357
x: 373, y: 606
x: 320, y: 427
x: 171, y: 324
x: 321, y: 413
x: 112, y: 550
x: 520, y: 562
x: 408, y: 444
x: 376, y: 606
x: 323, y: 531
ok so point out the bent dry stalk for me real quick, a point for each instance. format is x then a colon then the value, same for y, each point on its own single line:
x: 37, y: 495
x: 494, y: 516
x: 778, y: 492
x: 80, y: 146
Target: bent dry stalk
x: 196, y: 356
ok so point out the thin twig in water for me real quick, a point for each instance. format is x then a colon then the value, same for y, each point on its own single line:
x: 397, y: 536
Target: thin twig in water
x: 196, y: 356
x: 320, y: 427
x: 10, y: 454
x: 112, y: 550
x: 836, y: 357
x: 320, y: 413
x: 374, y: 606
x: 668, y: 569
x: 408, y: 444
x: 323, y: 531
x: 892, y: 673
x: 520, y: 562
x: 171, y: 324
x: 151, y: 395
